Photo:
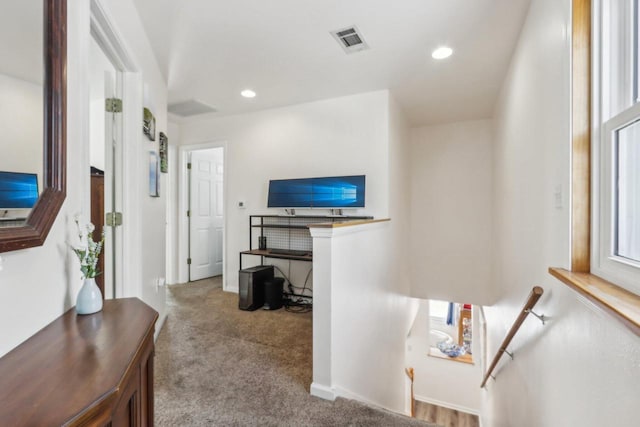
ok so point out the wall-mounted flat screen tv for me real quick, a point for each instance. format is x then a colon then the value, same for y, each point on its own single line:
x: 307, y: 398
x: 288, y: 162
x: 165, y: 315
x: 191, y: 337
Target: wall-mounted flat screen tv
x: 18, y: 190
x: 334, y: 192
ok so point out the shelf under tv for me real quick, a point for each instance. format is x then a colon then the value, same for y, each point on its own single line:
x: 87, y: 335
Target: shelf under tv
x: 287, y: 232
x: 268, y: 254
x: 301, y: 227
x: 329, y: 218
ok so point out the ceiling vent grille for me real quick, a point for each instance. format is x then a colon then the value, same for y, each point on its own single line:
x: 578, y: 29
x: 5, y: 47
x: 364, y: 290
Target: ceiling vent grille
x: 190, y: 108
x: 350, y: 39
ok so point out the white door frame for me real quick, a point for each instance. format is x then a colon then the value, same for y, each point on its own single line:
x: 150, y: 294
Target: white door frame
x: 128, y: 275
x: 183, y: 206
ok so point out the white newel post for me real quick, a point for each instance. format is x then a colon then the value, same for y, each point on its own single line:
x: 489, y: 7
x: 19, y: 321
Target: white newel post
x: 361, y: 315
x: 322, y: 356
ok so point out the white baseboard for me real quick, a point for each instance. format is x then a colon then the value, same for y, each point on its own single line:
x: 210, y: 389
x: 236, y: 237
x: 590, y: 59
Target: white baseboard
x: 323, y: 392
x: 159, y: 326
x: 329, y: 393
x: 340, y: 392
x: 232, y: 289
x: 448, y: 405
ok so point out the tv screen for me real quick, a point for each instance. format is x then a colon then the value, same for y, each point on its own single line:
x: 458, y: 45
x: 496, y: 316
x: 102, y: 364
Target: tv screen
x: 336, y: 192
x: 18, y: 190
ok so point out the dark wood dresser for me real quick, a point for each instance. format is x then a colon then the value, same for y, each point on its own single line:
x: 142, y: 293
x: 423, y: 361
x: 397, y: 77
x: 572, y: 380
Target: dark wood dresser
x: 93, y: 370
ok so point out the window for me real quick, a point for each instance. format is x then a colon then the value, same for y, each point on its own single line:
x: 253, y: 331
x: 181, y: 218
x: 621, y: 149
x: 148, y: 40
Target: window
x: 438, y: 311
x: 616, y: 139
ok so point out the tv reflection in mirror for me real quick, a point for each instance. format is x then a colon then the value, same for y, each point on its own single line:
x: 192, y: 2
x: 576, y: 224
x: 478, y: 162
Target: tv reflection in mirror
x: 335, y: 192
x: 18, y: 194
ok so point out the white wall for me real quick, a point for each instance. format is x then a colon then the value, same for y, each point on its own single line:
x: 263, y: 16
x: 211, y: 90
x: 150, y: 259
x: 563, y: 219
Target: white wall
x: 147, y: 215
x: 174, y: 138
x: 21, y: 123
x: 342, y: 136
x: 400, y: 213
x: 581, y: 368
x: 361, y: 316
x: 39, y: 284
x: 444, y: 382
x: 451, y: 212
x: 400, y: 170
x: 99, y: 64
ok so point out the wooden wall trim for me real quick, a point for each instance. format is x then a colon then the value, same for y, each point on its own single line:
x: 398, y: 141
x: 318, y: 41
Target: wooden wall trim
x: 581, y: 137
x: 622, y: 304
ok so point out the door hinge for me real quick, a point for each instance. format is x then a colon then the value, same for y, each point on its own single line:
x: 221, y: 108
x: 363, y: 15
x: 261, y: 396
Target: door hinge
x: 114, y: 219
x: 113, y: 105
x: 189, y: 165
x: 188, y: 214
x: 188, y: 261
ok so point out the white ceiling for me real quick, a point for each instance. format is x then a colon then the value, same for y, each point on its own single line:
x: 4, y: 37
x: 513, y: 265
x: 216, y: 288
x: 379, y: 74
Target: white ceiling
x: 210, y: 50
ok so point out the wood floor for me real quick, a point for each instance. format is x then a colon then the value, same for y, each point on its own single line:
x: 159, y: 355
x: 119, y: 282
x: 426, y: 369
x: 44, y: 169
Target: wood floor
x: 445, y: 417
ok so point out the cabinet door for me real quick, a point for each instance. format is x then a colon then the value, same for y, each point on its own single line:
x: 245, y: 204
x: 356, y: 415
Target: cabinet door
x: 127, y: 412
x: 146, y: 390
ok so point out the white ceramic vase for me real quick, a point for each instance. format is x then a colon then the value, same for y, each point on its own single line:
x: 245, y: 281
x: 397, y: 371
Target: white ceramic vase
x: 89, y: 298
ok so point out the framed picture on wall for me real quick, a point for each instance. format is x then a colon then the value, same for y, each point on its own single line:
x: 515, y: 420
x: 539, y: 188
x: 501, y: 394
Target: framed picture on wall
x: 148, y: 124
x: 164, y: 153
x: 154, y: 176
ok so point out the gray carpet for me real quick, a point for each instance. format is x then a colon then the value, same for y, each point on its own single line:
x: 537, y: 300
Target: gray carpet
x: 218, y: 366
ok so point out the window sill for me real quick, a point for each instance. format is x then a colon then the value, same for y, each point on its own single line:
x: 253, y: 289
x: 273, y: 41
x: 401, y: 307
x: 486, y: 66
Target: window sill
x: 465, y: 358
x: 620, y: 303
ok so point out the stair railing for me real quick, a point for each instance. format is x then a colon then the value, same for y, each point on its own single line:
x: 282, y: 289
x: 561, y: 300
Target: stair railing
x: 534, y: 296
x: 409, y: 372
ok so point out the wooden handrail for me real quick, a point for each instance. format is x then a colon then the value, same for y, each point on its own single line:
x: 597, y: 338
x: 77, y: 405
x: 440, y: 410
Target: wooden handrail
x: 409, y: 372
x: 534, y: 296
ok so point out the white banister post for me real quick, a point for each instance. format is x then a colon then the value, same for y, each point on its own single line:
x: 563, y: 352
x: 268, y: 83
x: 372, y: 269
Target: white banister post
x: 322, y: 385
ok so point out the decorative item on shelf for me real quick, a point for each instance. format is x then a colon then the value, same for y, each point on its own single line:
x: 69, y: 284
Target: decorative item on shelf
x: 154, y: 178
x: 451, y: 349
x: 149, y: 124
x: 89, y: 298
x: 164, y: 153
x: 465, y: 327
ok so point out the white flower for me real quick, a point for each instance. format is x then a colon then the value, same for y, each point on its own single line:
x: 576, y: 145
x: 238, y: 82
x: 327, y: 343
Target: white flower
x: 87, y: 250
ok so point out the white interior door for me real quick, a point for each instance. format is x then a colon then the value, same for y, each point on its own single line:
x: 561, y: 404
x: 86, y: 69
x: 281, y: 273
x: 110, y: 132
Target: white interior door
x: 206, y: 223
x: 105, y: 154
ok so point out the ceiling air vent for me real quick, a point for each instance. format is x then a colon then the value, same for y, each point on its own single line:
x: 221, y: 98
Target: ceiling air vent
x: 190, y: 108
x: 350, y: 39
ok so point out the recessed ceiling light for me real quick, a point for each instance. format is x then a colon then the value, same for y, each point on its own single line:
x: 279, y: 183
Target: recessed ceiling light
x: 442, y: 52
x: 248, y: 93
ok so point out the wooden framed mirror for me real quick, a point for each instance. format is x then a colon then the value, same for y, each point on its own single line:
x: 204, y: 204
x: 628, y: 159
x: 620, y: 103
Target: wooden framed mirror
x: 34, y: 230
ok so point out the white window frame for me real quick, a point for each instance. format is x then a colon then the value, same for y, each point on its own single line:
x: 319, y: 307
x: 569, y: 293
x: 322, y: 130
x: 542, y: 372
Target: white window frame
x: 613, y: 94
x: 440, y: 321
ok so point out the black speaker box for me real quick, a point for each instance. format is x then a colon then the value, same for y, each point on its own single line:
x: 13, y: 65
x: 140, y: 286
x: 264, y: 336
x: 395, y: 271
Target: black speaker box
x: 252, y: 282
x: 273, y: 293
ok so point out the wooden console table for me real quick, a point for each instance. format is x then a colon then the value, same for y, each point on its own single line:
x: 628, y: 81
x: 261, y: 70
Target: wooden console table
x: 92, y: 370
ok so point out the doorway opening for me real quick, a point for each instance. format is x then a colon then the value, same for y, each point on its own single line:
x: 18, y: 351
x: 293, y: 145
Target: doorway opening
x: 205, y: 213
x: 105, y: 134
x: 450, y: 331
